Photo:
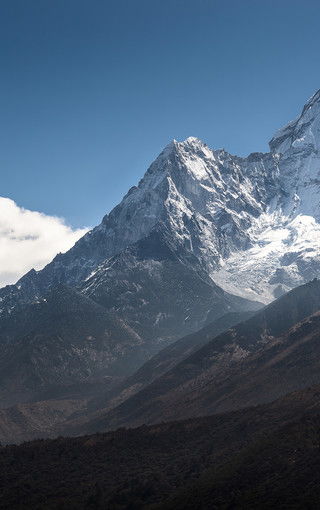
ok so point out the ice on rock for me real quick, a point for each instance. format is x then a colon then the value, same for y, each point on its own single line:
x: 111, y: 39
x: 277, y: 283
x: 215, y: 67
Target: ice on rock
x: 284, y: 252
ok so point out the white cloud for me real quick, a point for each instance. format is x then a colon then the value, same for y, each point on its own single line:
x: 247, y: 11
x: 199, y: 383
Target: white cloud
x: 30, y: 239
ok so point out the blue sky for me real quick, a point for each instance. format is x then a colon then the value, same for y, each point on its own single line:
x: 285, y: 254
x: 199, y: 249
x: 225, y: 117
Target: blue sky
x: 91, y: 90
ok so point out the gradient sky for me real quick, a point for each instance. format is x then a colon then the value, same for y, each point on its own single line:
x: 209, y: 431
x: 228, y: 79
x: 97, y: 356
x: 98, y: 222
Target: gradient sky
x: 91, y: 91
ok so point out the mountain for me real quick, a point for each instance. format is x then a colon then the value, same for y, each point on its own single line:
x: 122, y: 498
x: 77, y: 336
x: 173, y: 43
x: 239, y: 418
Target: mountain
x: 274, y: 352
x: 63, y: 343
x: 156, y: 284
x: 259, y: 457
x: 249, y: 226
x: 204, y: 234
x: 190, y: 189
x: 157, y: 315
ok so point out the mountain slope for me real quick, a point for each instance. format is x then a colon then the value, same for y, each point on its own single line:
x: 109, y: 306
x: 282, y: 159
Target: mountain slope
x: 278, y: 470
x: 65, y: 343
x: 24, y: 422
x: 78, y: 401
x: 165, y: 360
x: 256, y: 361
x: 62, y: 341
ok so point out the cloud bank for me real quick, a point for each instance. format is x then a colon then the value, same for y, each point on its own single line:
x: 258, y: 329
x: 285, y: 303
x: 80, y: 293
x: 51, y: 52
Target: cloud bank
x: 30, y: 239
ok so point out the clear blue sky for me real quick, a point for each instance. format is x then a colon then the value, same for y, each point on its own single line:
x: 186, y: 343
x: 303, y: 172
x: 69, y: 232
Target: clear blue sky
x: 92, y: 90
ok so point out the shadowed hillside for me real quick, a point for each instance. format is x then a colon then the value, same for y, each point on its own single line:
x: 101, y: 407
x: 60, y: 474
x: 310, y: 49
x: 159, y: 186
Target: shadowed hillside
x: 256, y: 361
x: 269, y: 452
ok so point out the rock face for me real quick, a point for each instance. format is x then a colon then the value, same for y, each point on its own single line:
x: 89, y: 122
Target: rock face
x: 299, y: 144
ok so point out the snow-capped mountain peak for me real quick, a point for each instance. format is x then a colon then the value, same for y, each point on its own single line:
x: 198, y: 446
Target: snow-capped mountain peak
x: 228, y: 212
